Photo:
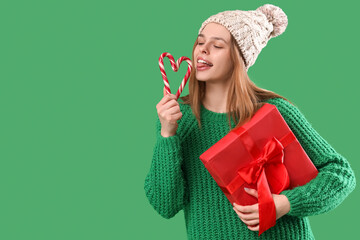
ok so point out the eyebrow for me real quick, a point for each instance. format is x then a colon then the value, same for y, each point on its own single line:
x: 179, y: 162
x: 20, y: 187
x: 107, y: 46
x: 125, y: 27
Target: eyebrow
x: 217, y: 38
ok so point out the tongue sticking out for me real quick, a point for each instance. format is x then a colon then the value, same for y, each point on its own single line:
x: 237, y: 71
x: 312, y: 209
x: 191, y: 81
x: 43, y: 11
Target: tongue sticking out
x: 204, y: 65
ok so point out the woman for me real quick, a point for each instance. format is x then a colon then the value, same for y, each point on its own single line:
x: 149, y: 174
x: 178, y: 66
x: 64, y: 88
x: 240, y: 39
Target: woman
x: 221, y: 97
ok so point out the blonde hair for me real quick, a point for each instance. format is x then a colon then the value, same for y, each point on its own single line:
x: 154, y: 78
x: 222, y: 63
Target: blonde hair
x: 244, y: 97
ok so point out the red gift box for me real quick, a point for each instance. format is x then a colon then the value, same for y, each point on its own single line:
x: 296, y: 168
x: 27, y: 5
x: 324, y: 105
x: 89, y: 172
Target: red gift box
x: 262, y: 154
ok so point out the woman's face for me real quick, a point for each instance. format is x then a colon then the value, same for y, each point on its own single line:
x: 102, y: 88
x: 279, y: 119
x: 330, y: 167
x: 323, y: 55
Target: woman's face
x: 214, y: 48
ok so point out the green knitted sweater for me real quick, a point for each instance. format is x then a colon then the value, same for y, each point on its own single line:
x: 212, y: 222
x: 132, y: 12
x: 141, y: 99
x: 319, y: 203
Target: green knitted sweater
x: 178, y: 180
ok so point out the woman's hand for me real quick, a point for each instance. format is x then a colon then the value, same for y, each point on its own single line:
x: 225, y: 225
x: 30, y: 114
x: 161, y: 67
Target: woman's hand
x: 169, y: 113
x: 250, y: 214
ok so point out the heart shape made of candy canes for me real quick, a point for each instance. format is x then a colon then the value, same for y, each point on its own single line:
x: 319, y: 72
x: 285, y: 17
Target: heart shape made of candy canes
x: 175, y: 67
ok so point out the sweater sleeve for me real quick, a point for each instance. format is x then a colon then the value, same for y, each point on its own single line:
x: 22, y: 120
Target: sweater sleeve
x: 335, y: 180
x: 165, y: 183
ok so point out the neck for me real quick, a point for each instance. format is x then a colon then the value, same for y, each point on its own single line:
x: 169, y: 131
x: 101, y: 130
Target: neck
x: 216, y: 96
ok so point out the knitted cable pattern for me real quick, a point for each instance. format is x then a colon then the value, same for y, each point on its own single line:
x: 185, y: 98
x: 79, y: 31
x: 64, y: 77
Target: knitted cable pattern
x: 251, y: 29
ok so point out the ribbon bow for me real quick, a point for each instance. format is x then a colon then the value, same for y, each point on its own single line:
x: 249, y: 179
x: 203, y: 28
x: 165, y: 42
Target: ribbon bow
x: 269, y: 174
x: 272, y: 153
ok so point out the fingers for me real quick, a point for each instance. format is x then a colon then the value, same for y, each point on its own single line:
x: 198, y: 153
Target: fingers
x: 247, y: 209
x: 172, y: 119
x: 165, y: 99
x: 170, y: 103
x: 170, y: 111
x: 252, y: 192
x: 167, y: 102
x: 249, y: 215
x: 173, y: 110
x: 170, y: 114
x: 169, y: 108
x: 246, y: 216
x: 177, y: 116
x: 251, y: 222
x: 254, y: 228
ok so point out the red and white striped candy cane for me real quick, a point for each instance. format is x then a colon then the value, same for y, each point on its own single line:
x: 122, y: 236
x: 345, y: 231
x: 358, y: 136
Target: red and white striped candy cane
x: 175, y: 67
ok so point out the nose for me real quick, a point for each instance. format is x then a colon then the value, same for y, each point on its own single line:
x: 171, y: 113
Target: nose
x: 203, y: 48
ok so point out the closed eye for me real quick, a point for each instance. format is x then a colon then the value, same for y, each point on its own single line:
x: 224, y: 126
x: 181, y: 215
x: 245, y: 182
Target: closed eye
x: 214, y: 45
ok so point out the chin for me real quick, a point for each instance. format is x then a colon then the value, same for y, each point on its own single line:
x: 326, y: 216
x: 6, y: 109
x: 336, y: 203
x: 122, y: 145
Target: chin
x: 202, y: 76
x: 202, y: 79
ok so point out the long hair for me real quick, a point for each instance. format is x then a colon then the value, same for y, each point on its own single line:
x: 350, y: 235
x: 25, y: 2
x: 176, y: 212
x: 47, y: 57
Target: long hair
x: 244, y: 97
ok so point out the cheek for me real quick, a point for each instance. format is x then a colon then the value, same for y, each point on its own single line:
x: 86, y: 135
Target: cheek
x: 224, y: 63
x: 196, y: 49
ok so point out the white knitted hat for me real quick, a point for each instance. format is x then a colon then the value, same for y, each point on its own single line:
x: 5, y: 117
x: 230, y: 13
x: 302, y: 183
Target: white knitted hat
x: 252, y: 29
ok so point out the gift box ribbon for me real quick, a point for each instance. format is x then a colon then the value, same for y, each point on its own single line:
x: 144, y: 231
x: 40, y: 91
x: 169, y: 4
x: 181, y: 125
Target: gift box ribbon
x: 266, y: 171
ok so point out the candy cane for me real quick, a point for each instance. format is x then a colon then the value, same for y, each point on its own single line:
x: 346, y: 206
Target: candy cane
x: 175, y: 67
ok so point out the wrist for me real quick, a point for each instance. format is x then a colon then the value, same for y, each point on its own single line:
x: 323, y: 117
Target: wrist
x: 282, y: 205
x: 285, y: 204
x: 167, y: 134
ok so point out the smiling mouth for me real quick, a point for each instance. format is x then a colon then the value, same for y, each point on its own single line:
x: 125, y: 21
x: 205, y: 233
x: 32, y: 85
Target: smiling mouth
x: 203, y: 62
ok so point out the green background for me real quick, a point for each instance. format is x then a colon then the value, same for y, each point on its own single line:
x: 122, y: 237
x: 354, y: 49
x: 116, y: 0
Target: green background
x: 79, y: 84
